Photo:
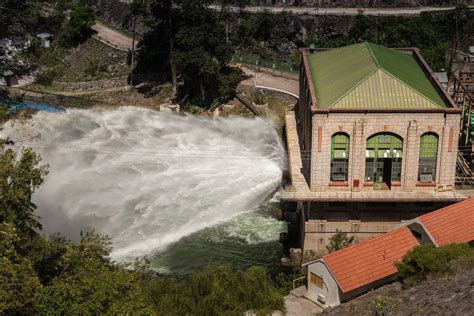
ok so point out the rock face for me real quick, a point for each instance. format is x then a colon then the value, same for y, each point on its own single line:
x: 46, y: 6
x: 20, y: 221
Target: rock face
x: 449, y: 295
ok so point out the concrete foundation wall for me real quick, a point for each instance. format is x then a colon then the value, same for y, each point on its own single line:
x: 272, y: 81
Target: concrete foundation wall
x: 362, y: 221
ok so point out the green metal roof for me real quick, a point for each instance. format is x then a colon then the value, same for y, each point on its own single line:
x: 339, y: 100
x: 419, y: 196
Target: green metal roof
x: 371, y: 76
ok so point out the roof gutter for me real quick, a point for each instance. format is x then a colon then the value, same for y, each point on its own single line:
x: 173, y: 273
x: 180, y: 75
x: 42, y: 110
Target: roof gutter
x: 440, y: 110
x: 432, y: 77
x: 307, y: 70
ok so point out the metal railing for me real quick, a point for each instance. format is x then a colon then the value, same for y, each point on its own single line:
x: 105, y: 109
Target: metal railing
x: 264, y: 63
x: 297, y: 280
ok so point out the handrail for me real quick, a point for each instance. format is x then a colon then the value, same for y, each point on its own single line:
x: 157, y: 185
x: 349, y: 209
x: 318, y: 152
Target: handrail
x: 298, y: 279
x: 278, y: 90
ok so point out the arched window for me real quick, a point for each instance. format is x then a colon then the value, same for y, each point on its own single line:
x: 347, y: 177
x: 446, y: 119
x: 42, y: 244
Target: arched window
x: 428, y: 157
x: 339, y: 157
x: 383, y: 162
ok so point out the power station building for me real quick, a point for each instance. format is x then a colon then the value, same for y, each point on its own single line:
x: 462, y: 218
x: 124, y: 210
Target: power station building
x: 372, y: 142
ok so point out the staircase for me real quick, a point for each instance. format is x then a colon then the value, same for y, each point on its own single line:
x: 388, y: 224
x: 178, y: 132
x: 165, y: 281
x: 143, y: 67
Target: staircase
x: 464, y: 174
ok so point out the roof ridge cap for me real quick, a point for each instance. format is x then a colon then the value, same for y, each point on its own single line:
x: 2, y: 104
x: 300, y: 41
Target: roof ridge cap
x: 410, y: 87
x: 354, y: 87
x: 372, y: 54
x: 332, y: 49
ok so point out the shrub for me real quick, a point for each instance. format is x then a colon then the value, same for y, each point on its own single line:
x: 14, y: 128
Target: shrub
x: 427, y: 260
x: 45, y: 78
x: 4, y: 114
x: 384, y: 305
x: 214, y: 290
x: 338, y: 241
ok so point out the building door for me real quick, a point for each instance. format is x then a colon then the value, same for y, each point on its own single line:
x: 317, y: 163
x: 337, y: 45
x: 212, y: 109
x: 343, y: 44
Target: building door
x: 387, y: 172
x: 383, y: 164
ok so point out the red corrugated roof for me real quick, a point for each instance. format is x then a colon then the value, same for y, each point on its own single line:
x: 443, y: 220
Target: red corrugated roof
x: 451, y: 224
x: 371, y: 260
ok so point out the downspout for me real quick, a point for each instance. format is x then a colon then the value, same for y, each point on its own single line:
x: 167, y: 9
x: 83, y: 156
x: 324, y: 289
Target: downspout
x: 441, y: 156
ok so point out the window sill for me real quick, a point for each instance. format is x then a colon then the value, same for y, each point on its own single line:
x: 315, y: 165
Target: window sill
x: 368, y: 184
x: 338, y: 184
x: 426, y: 184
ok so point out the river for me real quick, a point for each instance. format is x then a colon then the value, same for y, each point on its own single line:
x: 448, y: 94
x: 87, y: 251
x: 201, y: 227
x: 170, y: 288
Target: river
x: 182, y: 190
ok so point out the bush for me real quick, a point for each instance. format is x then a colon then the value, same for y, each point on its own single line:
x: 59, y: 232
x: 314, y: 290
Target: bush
x: 338, y: 241
x: 215, y: 290
x: 45, y: 78
x: 4, y: 114
x: 427, y: 260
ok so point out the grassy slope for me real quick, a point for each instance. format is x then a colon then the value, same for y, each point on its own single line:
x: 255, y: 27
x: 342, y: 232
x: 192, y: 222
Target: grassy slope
x: 90, y: 60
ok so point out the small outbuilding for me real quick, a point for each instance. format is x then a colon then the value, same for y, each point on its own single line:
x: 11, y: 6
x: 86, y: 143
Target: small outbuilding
x: 45, y: 39
x: 350, y: 272
x: 10, y: 78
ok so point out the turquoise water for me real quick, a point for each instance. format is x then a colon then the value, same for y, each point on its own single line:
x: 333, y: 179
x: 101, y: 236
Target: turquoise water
x: 40, y: 107
x: 15, y: 106
x: 247, y: 240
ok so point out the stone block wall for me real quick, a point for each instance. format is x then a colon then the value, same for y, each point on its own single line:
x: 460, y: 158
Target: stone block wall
x: 360, y: 126
x: 92, y: 85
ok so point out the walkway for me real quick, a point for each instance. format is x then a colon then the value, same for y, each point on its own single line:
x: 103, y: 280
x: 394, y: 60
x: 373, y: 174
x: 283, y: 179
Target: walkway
x: 341, y: 11
x: 111, y: 36
x: 297, y: 304
x: 298, y: 182
x: 266, y: 79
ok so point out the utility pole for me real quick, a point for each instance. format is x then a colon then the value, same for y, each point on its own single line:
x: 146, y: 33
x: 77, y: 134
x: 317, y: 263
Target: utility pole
x: 133, y: 51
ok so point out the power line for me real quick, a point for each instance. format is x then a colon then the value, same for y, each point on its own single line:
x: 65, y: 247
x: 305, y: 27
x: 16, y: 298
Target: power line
x: 175, y: 154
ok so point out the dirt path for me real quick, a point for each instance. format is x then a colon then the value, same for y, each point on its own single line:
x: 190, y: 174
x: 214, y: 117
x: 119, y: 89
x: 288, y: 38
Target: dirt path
x: 342, y: 11
x: 112, y: 36
x: 269, y: 80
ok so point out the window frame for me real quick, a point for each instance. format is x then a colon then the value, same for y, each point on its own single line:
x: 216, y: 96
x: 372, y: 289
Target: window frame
x: 316, y: 280
x: 339, y: 168
x: 379, y: 146
x: 428, y: 157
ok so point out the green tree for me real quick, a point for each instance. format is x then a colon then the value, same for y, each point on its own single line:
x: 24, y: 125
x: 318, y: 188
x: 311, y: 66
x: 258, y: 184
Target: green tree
x: 19, y: 285
x: 216, y: 290
x: 338, y: 241
x: 20, y: 176
x: 87, y: 282
x: 78, y: 28
x: 197, y: 50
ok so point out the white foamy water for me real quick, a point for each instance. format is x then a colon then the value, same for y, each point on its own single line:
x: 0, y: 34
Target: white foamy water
x: 148, y: 179
x: 254, y: 228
